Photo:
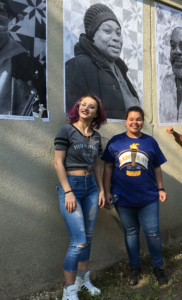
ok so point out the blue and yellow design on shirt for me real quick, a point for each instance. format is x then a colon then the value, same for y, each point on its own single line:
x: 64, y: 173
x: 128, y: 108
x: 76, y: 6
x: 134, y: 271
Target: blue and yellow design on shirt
x: 141, y: 159
x: 136, y: 183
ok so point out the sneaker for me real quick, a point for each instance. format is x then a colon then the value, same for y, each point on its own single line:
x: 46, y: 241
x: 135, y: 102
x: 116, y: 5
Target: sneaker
x: 160, y: 276
x: 70, y: 293
x: 133, y: 276
x: 86, y: 285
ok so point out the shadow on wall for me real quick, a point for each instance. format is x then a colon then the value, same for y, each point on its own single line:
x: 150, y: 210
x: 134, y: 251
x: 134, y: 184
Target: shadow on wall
x: 33, y: 240
x: 170, y: 220
x: 173, y: 2
x: 34, y: 237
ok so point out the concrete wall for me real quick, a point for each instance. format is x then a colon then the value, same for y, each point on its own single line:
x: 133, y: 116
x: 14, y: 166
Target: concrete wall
x: 33, y: 238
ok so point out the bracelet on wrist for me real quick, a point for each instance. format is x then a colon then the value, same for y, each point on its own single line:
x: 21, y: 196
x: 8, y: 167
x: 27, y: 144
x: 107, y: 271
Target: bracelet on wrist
x: 68, y: 192
x: 161, y: 189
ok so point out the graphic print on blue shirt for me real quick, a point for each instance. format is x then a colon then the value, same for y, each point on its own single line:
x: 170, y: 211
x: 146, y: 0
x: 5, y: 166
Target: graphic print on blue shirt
x: 137, y: 185
x: 135, y: 157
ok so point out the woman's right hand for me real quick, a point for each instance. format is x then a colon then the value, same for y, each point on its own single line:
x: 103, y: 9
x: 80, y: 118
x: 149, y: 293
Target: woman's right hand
x: 108, y: 204
x: 70, y: 202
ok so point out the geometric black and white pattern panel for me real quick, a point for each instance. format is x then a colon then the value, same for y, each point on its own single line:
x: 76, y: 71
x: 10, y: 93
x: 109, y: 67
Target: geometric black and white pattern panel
x: 31, y: 32
x: 130, y: 16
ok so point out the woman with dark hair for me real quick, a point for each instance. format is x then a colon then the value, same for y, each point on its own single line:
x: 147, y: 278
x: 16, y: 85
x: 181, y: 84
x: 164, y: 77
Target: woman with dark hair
x: 77, y: 151
x: 132, y: 167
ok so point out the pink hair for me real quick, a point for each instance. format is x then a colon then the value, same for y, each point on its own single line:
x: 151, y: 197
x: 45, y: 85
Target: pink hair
x: 73, y: 115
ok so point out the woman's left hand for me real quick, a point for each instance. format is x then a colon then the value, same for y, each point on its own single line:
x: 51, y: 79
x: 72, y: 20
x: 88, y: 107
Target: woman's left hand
x: 101, y: 202
x: 162, y: 196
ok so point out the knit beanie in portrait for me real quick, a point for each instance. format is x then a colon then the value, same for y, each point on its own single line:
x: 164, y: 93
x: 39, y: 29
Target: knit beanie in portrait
x: 95, y: 15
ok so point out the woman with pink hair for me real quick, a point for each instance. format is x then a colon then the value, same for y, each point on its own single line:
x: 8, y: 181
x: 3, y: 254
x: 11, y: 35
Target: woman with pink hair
x: 80, y: 191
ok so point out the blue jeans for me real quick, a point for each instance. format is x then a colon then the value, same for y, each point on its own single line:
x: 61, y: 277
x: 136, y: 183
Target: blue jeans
x: 148, y: 218
x: 81, y: 222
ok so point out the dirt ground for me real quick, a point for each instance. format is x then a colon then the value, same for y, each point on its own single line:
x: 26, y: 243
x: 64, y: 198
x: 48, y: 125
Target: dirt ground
x: 114, y: 284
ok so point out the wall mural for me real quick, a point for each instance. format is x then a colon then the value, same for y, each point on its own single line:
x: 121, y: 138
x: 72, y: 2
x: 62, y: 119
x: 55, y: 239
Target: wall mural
x: 23, y: 59
x: 169, y: 64
x: 103, y: 53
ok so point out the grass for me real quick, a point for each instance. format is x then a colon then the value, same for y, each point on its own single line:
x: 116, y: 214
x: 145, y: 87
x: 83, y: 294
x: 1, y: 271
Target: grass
x: 114, y: 285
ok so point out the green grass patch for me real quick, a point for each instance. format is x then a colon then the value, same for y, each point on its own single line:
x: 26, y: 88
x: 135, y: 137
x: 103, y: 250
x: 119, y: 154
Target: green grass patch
x: 114, y: 285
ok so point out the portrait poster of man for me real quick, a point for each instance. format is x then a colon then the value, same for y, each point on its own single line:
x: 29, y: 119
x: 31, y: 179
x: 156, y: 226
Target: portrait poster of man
x: 23, y: 92
x: 103, y: 53
x: 169, y: 64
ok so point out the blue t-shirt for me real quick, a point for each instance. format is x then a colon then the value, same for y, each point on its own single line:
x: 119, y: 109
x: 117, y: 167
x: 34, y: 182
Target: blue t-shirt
x: 137, y: 186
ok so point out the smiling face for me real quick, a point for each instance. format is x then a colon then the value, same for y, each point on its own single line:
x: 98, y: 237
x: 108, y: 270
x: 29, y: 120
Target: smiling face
x: 88, y: 108
x: 134, y: 123
x: 176, y: 51
x: 109, y: 40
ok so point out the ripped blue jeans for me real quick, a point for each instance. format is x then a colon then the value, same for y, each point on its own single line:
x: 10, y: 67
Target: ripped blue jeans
x: 81, y: 222
x: 148, y: 218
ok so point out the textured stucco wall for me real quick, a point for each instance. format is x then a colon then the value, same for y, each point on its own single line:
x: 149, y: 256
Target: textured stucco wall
x: 33, y: 239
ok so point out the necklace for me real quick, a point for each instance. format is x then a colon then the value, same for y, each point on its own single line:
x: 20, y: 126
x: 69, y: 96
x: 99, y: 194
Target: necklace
x: 86, y: 139
x: 88, y: 144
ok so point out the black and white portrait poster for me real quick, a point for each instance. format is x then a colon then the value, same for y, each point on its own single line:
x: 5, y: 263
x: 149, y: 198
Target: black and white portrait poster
x: 169, y: 64
x: 103, y: 53
x: 23, y: 88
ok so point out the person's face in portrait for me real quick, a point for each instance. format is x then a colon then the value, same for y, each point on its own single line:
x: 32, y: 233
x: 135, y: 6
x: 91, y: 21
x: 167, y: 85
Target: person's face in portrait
x: 88, y: 108
x: 176, y: 52
x: 4, y: 32
x: 134, y: 122
x: 109, y: 40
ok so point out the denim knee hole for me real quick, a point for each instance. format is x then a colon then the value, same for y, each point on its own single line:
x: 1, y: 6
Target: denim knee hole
x: 78, y: 211
x: 82, y: 228
x: 89, y: 235
x: 81, y: 245
x: 156, y: 236
x: 131, y: 231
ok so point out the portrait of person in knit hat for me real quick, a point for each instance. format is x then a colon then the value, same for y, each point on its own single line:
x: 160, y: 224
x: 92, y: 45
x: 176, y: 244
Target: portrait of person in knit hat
x: 97, y: 67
